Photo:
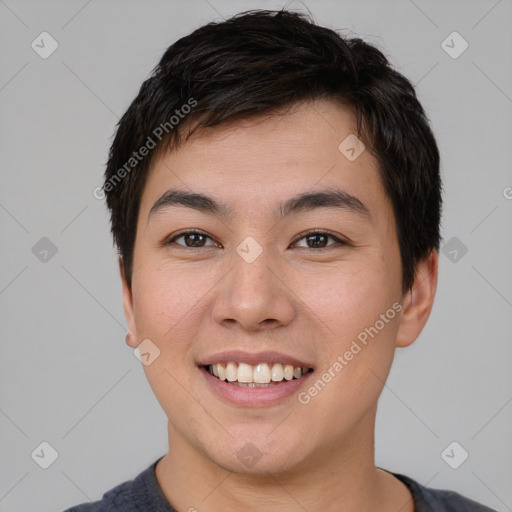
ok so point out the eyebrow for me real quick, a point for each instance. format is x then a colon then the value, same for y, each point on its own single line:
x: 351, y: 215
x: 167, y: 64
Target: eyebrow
x: 307, y: 201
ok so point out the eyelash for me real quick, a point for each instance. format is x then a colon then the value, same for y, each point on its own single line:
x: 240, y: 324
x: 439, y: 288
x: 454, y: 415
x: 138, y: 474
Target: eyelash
x: 339, y: 242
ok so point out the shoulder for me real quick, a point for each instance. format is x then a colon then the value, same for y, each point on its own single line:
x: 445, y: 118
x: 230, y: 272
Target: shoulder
x: 118, y: 499
x: 437, y: 500
x: 138, y: 495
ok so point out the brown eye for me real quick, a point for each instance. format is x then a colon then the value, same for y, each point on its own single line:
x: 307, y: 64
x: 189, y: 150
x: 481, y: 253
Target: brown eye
x: 319, y: 240
x: 191, y: 239
x: 194, y: 240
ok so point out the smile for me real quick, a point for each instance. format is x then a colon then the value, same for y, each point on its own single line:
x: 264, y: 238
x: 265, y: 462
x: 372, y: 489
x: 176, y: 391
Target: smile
x: 258, y: 375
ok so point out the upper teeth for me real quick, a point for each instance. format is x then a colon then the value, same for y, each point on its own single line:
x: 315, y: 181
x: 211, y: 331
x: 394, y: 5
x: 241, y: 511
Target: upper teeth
x: 261, y: 373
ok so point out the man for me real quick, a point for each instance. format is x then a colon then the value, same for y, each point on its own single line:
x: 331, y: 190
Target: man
x: 275, y: 198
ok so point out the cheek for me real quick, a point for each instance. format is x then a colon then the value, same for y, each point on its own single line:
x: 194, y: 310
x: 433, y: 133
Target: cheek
x: 350, y: 296
x: 168, y: 307
x: 166, y: 299
x: 354, y: 310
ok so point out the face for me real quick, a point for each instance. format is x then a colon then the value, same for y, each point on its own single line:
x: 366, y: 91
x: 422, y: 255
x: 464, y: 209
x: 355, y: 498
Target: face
x: 266, y: 256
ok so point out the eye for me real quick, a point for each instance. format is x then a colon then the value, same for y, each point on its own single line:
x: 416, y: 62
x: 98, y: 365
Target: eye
x: 192, y: 239
x: 313, y: 240
x: 319, y: 240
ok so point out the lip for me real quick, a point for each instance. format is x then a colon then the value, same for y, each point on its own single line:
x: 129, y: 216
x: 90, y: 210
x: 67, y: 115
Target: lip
x: 253, y: 397
x: 240, y: 356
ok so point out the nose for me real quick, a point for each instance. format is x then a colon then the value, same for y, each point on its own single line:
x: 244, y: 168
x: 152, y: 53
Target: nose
x: 254, y: 296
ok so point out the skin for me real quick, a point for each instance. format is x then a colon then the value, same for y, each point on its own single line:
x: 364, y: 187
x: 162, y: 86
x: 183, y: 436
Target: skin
x: 192, y: 302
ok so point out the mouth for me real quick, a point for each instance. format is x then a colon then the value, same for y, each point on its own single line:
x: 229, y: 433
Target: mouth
x: 254, y: 379
x: 260, y: 375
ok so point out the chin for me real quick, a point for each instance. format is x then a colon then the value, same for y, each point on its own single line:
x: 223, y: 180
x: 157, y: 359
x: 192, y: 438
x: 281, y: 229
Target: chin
x: 256, y: 455
x: 256, y: 463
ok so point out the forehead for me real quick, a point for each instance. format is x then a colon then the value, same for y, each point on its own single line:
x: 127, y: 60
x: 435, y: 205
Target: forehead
x: 260, y: 160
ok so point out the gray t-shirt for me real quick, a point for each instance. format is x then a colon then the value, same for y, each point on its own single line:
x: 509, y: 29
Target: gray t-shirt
x: 143, y: 494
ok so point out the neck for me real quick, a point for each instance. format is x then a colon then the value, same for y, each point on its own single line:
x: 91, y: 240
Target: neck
x: 337, y: 477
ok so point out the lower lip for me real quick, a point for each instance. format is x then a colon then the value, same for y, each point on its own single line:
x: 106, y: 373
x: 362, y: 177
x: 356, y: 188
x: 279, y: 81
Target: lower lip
x: 253, y: 397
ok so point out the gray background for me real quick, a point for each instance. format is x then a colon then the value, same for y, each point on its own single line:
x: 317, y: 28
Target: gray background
x: 67, y: 377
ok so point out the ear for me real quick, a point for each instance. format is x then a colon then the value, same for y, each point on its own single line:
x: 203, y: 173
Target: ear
x: 418, y: 301
x: 131, y: 337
